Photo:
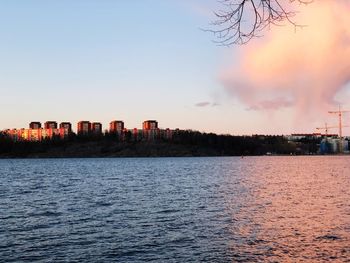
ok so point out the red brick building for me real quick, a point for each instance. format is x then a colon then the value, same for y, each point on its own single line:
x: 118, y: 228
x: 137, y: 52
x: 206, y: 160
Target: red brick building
x: 66, y: 125
x: 84, y: 128
x: 150, y: 125
x: 96, y: 128
x: 50, y: 125
x: 35, y: 125
x: 116, y: 126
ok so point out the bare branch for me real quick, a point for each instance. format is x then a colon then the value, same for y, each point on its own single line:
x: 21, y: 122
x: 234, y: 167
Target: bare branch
x: 242, y: 20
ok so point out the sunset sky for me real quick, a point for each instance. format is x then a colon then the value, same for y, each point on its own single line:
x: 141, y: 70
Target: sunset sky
x: 100, y: 60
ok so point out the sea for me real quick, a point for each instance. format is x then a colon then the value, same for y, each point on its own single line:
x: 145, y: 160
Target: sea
x: 220, y: 209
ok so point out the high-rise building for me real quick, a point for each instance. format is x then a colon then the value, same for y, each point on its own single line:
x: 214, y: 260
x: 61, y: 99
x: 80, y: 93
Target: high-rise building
x: 84, y: 128
x: 35, y: 125
x: 50, y: 125
x: 116, y: 126
x: 66, y: 125
x: 96, y: 128
x: 150, y: 125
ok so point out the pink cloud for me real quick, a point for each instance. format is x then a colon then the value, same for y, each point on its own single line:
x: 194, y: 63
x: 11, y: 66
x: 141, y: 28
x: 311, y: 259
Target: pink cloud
x: 303, y: 69
x: 273, y: 104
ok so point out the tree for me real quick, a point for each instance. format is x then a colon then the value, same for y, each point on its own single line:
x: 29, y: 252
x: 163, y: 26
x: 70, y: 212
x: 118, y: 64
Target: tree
x: 242, y: 20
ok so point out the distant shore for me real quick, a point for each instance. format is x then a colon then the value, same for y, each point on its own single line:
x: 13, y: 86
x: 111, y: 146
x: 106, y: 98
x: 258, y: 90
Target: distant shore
x: 183, y: 144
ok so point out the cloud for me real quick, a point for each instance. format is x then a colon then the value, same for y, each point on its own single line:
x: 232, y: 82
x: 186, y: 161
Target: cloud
x: 303, y: 69
x: 274, y: 104
x: 202, y: 104
x: 207, y: 103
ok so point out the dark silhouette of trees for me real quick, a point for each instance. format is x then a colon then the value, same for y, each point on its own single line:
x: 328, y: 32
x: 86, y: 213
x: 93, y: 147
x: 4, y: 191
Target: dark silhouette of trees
x: 182, y: 143
x: 5, y: 143
x: 236, y: 145
x: 241, y: 20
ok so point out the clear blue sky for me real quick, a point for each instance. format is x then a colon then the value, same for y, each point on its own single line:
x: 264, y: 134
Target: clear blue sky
x: 100, y: 60
x: 104, y: 59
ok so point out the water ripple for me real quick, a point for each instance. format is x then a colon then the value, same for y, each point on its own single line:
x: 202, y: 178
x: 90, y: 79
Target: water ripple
x: 256, y: 209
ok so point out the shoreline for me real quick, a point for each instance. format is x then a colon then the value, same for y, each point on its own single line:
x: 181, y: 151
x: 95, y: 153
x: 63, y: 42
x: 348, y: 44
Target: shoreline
x: 183, y: 144
x: 36, y: 157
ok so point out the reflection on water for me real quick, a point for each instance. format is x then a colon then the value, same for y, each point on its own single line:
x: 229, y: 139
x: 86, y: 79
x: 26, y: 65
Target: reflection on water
x: 299, y: 209
x: 273, y: 209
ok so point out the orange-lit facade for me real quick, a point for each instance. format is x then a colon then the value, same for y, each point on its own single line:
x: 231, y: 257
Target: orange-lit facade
x: 36, y: 134
x: 149, y: 131
x: 84, y: 128
x: 116, y: 126
x: 150, y: 125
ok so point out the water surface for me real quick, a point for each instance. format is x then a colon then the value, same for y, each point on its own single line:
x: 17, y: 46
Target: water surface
x: 255, y: 209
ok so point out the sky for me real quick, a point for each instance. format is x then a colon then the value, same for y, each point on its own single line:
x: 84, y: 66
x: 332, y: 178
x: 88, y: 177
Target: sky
x: 132, y: 60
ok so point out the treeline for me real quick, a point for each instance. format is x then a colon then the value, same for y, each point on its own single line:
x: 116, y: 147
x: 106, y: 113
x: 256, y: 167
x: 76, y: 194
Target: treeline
x: 182, y: 143
x: 247, y: 145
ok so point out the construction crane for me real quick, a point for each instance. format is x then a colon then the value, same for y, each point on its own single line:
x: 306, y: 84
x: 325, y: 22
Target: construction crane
x: 326, y: 128
x: 340, y: 116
